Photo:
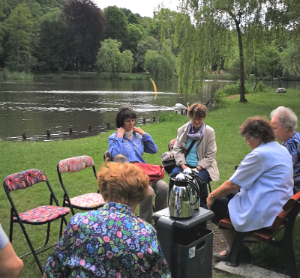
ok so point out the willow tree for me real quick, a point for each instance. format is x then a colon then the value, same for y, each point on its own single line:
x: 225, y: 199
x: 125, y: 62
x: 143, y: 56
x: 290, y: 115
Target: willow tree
x: 207, y: 26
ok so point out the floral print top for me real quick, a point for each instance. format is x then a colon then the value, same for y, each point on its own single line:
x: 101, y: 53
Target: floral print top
x: 108, y: 242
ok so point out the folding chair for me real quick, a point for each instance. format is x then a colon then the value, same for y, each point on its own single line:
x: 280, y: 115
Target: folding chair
x: 87, y: 201
x: 38, y: 216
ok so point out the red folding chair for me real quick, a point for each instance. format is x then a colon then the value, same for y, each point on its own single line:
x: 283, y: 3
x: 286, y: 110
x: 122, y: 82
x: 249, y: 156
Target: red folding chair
x: 88, y: 201
x: 37, y: 216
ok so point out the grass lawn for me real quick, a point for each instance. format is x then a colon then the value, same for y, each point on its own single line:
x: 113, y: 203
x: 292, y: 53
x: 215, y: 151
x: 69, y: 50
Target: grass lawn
x: 225, y: 119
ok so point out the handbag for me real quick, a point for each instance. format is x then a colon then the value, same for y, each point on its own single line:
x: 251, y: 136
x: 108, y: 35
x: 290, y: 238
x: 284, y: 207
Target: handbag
x: 168, y: 159
x: 154, y: 172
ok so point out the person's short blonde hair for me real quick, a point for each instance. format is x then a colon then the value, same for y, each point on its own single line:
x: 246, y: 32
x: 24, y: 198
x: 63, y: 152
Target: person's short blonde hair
x: 197, y: 110
x: 123, y: 183
x: 258, y: 127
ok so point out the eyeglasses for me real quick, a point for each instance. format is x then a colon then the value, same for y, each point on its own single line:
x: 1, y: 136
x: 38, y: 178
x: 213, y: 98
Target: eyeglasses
x: 246, y: 139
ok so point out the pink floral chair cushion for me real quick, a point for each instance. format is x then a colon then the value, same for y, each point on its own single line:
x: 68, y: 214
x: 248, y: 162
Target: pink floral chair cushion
x: 75, y: 164
x: 42, y: 214
x: 24, y: 179
x: 171, y: 144
x: 89, y: 200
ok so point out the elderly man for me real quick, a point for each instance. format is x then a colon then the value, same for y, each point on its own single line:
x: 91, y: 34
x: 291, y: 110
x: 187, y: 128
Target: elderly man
x: 284, y: 121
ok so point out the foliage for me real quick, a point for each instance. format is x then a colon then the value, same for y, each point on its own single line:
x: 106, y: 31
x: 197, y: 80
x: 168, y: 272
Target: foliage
x: 52, y: 50
x: 135, y: 35
x: 19, y: 26
x: 211, y: 36
x: 260, y: 87
x: 148, y: 44
x: 268, y: 59
x: 7, y: 75
x: 161, y: 63
x: 127, y: 61
x: 109, y: 58
x: 169, y: 117
x: 290, y: 58
x: 219, y: 96
x: 85, y: 30
x: 116, y: 25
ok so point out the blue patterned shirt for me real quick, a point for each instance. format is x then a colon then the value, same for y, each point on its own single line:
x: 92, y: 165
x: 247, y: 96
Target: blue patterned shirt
x: 291, y: 145
x: 132, y: 149
x: 108, y: 242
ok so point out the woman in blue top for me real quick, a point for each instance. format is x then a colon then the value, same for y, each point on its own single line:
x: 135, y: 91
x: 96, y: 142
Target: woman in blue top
x: 258, y: 189
x: 132, y: 142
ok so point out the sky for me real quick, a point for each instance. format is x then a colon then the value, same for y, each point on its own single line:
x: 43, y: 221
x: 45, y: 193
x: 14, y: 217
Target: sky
x: 142, y: 7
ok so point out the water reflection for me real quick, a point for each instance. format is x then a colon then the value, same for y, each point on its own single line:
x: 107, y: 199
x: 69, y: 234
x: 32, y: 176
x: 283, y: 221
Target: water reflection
x: 85, y: 106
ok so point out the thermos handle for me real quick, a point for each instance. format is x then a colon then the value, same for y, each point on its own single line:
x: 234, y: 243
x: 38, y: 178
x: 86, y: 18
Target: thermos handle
x: 197, y: 193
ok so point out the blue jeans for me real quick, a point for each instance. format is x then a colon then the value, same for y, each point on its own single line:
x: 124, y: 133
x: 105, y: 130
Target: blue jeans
x: 203, y: 174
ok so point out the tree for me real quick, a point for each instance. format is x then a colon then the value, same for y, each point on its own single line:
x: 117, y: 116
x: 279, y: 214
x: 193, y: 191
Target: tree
x: 290, y: 58
x: 132, y: 18
x: 85, y: 30
x: 109, y: 57
x: 52, y: 50
x: 19, y: 26
x: 135, y: 35
x: 208, y: 36
x: 116, y: 25
x: 148, y: 44
x: 161, y: 62
x: 268, y: 59
x: 127, y: 61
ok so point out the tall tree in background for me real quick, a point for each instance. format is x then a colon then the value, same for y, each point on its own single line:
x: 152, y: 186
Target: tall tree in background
x: 116, y: 25
x: 52, y: 50
x: 208, y: 29
x: 111, y: 60
x: 161, y: 63
x: 85, y: 29
x: 19, y: 26
x: 149, y: 43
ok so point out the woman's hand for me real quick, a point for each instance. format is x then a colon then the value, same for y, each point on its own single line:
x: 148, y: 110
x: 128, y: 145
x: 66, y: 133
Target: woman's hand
x: 139, y: 130
x: 199, y: 168
x: 121, y: 132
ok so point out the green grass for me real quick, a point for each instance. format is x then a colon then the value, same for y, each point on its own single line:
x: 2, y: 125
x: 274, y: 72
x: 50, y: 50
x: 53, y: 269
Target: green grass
x: 225, y: 119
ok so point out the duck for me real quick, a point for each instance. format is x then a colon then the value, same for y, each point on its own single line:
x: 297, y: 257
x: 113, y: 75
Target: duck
x: 211, y: 102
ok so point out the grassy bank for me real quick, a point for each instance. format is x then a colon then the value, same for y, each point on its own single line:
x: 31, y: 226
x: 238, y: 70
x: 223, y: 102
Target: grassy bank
x: 93, y: 75
x: 7, y: 75
x: 225, y: 119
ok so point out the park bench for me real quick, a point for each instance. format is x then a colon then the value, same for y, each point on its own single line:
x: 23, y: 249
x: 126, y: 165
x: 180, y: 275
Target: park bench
x: 285, y: 221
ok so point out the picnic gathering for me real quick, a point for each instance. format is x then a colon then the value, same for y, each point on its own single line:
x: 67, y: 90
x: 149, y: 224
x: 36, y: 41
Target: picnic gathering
x: 105, y: 238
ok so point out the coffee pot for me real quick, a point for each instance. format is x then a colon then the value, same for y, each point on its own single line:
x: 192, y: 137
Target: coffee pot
x: 185, y: 195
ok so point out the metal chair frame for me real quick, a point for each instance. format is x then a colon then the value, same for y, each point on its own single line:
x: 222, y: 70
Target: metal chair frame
x: 14, y: 213
x: 66, y: 198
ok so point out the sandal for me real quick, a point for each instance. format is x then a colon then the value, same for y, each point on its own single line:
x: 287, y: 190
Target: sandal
x: 218, y: 257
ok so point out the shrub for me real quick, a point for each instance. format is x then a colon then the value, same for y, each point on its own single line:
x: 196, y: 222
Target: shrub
x: 16, y: 75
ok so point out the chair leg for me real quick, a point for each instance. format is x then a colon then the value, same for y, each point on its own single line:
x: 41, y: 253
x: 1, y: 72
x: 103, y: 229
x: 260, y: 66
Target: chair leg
x: 287, y: 248
x: 233, y: 259
x: 11, y: 230
x: 48, y: 234
x: 31, y: 248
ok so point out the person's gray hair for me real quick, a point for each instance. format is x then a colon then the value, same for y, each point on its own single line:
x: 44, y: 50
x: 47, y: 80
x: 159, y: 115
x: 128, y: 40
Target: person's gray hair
x: 286, y: 117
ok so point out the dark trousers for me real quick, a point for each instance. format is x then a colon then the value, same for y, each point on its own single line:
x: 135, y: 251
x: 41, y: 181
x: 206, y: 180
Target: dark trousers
x: 203, y: 174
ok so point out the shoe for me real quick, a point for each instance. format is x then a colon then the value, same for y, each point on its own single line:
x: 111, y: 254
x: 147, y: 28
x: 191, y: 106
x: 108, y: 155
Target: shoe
x: 221, y: 258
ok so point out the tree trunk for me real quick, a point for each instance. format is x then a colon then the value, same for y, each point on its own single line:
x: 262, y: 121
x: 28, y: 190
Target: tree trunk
x: 242, y: 71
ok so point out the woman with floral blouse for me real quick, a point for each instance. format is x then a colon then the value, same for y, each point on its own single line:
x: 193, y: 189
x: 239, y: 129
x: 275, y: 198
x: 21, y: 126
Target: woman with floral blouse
x: 111, y: 241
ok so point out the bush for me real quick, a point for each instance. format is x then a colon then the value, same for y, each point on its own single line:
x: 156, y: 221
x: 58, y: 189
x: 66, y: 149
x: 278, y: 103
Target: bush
x: 169, y: 117
x: 17, y: 75
x: 260, y: 87
x: 219, y: 96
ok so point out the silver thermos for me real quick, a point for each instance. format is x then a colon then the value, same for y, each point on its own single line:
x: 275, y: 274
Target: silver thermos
x: 185, y: 195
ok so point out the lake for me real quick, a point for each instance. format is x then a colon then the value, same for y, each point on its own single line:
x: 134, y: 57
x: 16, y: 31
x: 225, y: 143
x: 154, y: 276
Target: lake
x: 85, y: 107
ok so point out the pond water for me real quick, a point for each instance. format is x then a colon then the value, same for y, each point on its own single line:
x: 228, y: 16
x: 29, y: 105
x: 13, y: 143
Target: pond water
x: 85, y: 107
